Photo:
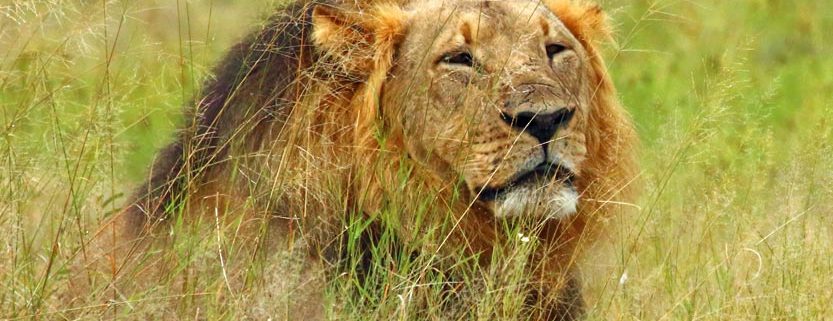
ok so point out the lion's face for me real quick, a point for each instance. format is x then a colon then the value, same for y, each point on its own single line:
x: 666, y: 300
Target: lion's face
x: 495, y: 93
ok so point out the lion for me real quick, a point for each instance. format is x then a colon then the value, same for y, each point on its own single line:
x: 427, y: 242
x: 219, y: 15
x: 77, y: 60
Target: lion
x: 442, y: 121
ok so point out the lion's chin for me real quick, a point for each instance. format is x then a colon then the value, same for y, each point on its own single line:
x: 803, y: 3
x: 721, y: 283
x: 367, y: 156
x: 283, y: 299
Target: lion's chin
x: 534, y: 201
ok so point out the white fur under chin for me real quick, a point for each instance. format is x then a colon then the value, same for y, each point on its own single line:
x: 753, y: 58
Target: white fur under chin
x: 529, y: 201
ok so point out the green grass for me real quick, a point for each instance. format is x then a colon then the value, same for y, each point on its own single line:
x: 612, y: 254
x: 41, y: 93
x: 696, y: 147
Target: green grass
x: 732, y: 100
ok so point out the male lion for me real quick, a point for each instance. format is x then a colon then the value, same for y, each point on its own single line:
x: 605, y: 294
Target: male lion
x: 446, y: 122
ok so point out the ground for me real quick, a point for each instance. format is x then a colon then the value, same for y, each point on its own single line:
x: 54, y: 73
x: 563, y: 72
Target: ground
x: 732, y: 101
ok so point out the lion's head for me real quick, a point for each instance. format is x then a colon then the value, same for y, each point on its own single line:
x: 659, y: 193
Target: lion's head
x: 511, y: 97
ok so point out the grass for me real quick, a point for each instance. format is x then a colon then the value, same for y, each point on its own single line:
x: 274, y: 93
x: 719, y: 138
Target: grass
x: 732, y: 100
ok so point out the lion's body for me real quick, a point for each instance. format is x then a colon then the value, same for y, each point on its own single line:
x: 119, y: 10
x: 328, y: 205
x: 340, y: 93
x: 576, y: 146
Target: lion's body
x: 298, y: 134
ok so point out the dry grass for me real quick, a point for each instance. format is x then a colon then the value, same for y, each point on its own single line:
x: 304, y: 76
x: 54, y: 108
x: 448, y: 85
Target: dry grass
x: 731, y: 98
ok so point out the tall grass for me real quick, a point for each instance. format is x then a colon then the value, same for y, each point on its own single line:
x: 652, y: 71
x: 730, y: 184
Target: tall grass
x: 732, y: 100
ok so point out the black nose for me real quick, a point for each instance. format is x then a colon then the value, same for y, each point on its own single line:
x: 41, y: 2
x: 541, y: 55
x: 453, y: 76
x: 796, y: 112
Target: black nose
x: 541, y: 126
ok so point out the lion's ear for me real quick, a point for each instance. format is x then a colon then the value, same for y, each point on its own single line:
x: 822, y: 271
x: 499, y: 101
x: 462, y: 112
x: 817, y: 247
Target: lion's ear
x: 585, y: 19
x: 358, y: 42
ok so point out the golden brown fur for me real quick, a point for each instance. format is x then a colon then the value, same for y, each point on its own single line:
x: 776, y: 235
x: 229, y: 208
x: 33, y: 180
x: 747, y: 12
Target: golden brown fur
x: 327, y: 111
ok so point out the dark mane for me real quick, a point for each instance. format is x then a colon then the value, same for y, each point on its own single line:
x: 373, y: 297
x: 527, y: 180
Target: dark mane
x: 252, y: 88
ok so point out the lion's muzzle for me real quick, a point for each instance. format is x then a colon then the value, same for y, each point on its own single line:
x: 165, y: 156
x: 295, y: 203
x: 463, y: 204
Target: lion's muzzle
x: 546, y: 191
x: 543, y: 172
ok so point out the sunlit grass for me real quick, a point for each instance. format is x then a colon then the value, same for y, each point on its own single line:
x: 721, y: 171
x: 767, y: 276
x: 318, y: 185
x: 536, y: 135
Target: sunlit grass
x: 732, y: 100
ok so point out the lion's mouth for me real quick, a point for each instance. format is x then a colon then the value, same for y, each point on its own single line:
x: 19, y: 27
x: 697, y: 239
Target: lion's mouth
x: 545, y: 172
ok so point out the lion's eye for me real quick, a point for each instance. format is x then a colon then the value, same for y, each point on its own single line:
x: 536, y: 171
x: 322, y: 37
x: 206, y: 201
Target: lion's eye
x: 555, y: 49
x: 463, y: 58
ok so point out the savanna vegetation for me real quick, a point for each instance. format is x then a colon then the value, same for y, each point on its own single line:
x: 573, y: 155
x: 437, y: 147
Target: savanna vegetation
x: 733, y: 102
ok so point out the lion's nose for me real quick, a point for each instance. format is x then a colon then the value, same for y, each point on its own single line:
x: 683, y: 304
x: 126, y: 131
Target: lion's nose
x: 540, y: 125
